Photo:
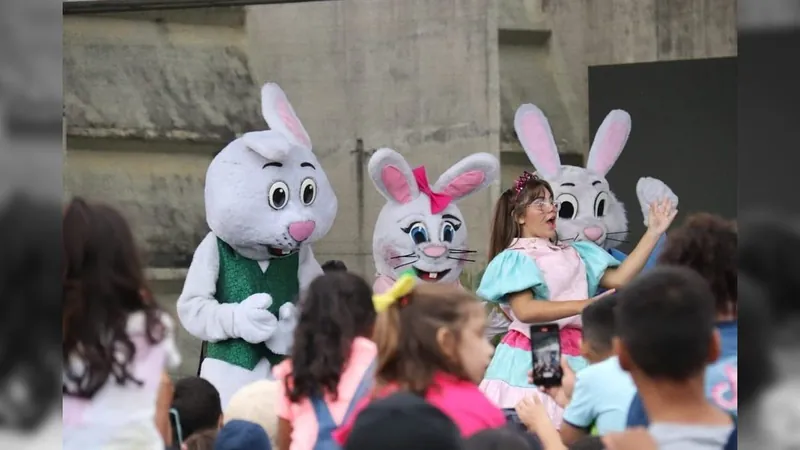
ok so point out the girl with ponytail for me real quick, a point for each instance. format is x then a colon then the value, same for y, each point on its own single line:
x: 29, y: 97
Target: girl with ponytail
x: 431, y: 343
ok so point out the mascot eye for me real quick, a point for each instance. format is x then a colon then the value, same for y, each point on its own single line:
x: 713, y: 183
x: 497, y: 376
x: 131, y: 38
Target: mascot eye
x: 568, y: 206
x: 600, y: 204
x: 278, y: 195
x: 308, y: 191
x: 448, y: 232
x: 418, y: 232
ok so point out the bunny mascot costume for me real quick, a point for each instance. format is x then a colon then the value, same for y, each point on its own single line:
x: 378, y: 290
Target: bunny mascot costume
x: 267, y: 198
x: 420, y: 227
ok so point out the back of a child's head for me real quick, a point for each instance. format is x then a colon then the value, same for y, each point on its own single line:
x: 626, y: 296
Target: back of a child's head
x: 665, y: 322
x: 242, y: 435
x: 202, y: 440
x: 197, y: 404
x: 511, y: 206
x: 501, y: 439
x: 336, y: 308
x: 707, y: 244
x: 334, y: 265
x: 103, y: 283
x: 257, y: 403
x: 422, y: 334
x: 598, y: 324
x: 588, y: 443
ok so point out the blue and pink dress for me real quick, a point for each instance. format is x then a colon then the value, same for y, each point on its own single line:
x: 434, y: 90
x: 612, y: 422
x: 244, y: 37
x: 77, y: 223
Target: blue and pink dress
x: 555, y: 273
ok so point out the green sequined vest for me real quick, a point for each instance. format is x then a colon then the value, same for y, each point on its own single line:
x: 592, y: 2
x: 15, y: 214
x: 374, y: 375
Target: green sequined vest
x: 240, y: 278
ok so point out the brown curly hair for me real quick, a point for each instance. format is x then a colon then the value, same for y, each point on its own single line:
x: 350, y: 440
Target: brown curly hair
x: 708, y: 244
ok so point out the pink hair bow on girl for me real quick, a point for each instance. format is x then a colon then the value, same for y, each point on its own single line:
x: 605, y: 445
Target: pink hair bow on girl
x: 439, y: 201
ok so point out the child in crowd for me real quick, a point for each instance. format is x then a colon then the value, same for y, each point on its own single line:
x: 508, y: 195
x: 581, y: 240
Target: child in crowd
x: 196, y: 407
x: 431, y: 343
x: 544, y: 280
x: 334, y: 265
x: 242, y: 435
x: 332, y: 361
x: 708, y: 244
x: 502, y: 439
x: 403, y: 421
x: 258, y: 403
x: 666, y: 337
x: 117, y: 343
x: 600, y: 394
x: 202, y: 440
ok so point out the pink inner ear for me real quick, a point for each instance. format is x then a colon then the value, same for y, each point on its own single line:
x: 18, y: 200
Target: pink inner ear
x: 396, y: 184
x: 611, y: 146
x: 464, y: 184
x: 290, y: 121
x: 537, y: 143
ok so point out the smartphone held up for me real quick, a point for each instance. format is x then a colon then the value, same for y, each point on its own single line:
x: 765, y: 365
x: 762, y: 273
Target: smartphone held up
x: 546, y: 352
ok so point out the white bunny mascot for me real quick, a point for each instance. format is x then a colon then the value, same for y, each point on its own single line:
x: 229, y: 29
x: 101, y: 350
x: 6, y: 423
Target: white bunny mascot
x: 588, y: 209
x: 421, y: 228
x: 267, y: 198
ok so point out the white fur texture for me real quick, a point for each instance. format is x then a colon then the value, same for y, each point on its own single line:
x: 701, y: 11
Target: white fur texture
x: 257, y: 403
x: 394, y: 248
x: 589, y: 209
x: 239, y: 183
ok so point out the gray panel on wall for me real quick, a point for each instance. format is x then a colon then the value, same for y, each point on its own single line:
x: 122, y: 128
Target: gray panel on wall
x: 684, y: 127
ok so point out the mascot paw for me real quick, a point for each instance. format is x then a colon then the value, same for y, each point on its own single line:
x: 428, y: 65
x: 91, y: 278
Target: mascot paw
x: 283, y: 339
x: 254, y: 323
x: 650, y: 190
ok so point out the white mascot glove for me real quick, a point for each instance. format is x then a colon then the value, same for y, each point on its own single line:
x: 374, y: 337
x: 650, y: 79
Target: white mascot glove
x: 650, y: 190
x: 252, y: 321
x: 283, y: 338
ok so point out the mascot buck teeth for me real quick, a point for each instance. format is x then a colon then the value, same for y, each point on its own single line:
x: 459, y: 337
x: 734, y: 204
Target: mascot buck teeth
x: 267, y: 199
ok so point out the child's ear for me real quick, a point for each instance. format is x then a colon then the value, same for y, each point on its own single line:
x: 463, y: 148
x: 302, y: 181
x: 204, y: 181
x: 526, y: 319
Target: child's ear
x: 714, y: 347
x: 447, y: 343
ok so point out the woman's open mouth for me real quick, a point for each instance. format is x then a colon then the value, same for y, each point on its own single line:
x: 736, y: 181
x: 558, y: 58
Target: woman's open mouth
x: 551, y: 222
x: 430, y: 276
x: 275, y: 251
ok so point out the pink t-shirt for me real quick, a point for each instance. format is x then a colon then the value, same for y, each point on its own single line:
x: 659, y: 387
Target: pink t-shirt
x: 301, y: 415
x: 460, y: 400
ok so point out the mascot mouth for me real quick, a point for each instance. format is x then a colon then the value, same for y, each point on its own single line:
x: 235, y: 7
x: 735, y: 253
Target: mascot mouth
x: 430, y: 276
x: 278, y: 252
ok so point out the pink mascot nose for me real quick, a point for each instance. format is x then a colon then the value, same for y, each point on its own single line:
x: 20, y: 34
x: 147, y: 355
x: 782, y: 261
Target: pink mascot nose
x: 435, y: 251
x: 593, y: 233
x: 300, y: 231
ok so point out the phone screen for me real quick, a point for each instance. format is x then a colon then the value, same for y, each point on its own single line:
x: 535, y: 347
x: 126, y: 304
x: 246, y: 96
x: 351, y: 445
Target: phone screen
x: 546, y: 349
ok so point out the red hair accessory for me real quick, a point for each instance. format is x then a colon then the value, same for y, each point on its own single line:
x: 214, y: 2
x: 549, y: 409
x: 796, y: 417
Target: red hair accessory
x: 522, y: 181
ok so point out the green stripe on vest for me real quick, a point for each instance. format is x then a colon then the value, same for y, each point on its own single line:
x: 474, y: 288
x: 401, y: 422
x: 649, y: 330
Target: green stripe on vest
x: 240, y: 278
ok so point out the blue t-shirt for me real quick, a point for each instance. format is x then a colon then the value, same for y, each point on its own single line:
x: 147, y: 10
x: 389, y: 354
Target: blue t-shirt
x: 721, y: 379
x: 602, y: 395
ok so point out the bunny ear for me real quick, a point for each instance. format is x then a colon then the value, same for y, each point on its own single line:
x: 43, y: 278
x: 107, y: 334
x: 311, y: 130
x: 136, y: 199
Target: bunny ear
x: 536, y: 138
x: 280, y: 116
x: 469, y: 175
x: 609, y: 142
x: 392, y: 176
x: 270, y: 144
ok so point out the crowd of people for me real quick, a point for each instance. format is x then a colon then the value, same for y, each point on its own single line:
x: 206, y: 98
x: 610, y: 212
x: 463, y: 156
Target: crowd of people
x: 651, y: 363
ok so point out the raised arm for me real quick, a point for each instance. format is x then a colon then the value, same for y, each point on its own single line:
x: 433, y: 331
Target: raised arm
x: 529, y: 309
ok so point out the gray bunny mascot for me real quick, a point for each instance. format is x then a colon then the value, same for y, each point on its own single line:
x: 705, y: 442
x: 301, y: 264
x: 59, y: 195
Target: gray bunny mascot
x: 267, y: 199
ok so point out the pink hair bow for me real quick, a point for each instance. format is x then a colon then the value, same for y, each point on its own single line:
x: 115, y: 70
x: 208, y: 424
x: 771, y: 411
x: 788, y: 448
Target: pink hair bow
x: 439, y: 201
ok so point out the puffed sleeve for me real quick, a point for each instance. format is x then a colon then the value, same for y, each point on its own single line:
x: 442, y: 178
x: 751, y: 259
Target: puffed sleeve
x: 509, y: 272
x: 596, y: 260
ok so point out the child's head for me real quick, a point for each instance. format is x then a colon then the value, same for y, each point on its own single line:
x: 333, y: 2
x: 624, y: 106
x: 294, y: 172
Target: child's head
x: 588, y: 443
x: 242, y: 435
x: 197, y: 404
x: 103, y: 283
x: 436, y: 328
x: 501, y: 439
x: 708, y: 244
x: 202, y: 440
x: 257, y: 403
x: 336, y: 309
x: 598, y: 329
x: 334, y: 265
x: 665, y: 326
x: 525, y: 210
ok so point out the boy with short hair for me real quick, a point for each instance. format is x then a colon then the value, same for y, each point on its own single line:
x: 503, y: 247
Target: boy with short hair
x: 602, y: 391
x: 666, y: 336
x: 198, y: 407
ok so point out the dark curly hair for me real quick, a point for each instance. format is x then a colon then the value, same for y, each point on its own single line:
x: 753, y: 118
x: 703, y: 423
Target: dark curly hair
x: 103, y: 284
x: 708, y: 244
x: 337, y: 308
x: 30, y: 288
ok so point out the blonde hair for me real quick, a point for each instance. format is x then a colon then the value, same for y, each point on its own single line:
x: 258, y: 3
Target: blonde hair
x: 257, y: 403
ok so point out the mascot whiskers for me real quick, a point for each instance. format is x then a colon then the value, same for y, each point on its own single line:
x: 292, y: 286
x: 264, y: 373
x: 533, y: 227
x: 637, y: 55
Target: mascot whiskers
x: 267, y: 198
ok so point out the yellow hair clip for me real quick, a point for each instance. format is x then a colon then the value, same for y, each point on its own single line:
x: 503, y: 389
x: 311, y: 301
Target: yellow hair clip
x: 401, y: 288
